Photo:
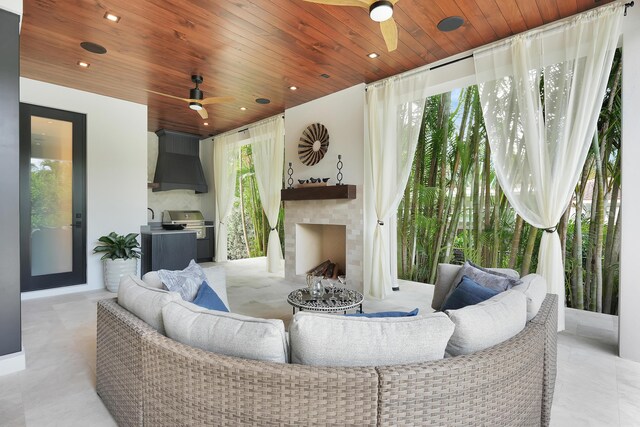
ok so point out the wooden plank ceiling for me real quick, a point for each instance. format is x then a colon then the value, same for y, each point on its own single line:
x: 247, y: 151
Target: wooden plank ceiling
x: 251, y: 49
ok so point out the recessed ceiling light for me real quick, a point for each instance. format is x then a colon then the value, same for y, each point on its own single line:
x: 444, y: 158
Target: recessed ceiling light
x: 381, y: 10
x: 373, y: 55
x: 450, y: 24
x: 325, y: 75
x: 93, y: 48
x: 293, y: 88
x: 83, y: 64
x: 243, y: 108
x: 206, y: 123
x: 49, y: 122
x: 263, y: 101
x: 111, y: 17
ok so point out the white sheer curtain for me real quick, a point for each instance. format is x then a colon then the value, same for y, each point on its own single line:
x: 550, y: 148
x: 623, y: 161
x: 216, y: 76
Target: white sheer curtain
x: 539, y: 143
x: 225, y: 165
x: 394, y: 114
x: 267, y: 147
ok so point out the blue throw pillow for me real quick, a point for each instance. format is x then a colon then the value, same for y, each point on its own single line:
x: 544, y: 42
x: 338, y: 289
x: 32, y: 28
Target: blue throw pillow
x: 208, y: 298
x: 467, y: 293
x: 413, y: 312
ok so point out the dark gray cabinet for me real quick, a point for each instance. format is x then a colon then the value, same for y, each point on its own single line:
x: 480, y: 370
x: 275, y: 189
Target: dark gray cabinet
x: 206, y: 250
x: 170, y: 251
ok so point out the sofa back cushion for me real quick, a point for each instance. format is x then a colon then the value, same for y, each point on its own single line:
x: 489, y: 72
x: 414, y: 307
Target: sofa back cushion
x: 144, y: 301
x: 226, y: 333
x: 330, y: 340
x: 450, y: 275
x: 487, y: 323
x: 534, y: 287
x: 216, y: 278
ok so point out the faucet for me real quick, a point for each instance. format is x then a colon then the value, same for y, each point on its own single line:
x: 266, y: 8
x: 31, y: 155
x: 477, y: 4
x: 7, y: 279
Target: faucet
x: 153, y: 214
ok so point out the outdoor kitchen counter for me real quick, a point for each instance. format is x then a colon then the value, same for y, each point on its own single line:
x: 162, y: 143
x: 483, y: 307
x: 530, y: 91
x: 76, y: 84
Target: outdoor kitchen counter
x: 166, y: 249
x: 156, y: 228
x: 163, y: 231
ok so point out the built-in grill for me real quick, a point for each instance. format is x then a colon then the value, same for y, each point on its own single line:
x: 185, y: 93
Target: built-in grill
x: 192, y: 220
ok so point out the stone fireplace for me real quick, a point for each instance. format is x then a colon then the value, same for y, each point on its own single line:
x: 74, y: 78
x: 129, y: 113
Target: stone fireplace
x: 317, y: 230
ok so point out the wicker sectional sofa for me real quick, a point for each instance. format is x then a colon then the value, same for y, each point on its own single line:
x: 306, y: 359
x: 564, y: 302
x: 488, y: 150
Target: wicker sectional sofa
x: 147, y: 379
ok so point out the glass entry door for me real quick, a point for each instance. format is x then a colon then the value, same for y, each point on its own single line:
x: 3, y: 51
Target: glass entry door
x: 52, y: 198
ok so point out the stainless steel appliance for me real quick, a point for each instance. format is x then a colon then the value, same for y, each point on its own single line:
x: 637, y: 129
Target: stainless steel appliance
x: 192, y: 220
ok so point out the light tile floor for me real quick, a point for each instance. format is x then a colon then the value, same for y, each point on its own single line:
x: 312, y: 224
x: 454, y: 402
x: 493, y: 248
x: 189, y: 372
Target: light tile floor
x: 594, y: 386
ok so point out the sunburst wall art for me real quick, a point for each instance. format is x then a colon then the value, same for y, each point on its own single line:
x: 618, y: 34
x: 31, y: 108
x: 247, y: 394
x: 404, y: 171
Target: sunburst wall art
x: 313, y: 144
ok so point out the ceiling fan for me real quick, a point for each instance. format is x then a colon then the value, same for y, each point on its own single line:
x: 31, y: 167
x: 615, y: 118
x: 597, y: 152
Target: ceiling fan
x: 379, y: 10
x: 196, y: 99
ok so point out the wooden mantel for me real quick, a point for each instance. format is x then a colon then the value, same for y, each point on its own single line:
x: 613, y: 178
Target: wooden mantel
x: 319, y: 193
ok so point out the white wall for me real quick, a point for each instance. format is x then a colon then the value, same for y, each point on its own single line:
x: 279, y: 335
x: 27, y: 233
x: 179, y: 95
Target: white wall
x: 342, y: 114
x: 629, y: 296
x: 180, y: 199
x: 116, y: 162
x: 14, y: 6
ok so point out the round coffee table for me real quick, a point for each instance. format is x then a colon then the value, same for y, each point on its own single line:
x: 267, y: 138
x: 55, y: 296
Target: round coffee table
x: 342, y: 299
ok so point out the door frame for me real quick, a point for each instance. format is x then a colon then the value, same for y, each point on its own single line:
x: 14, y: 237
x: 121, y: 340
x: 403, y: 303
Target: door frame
x: 78, y: 275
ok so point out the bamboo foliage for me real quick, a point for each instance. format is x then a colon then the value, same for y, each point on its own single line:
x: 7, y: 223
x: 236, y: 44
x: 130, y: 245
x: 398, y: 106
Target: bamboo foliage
x: 248, y: 229
x: 454, y: 209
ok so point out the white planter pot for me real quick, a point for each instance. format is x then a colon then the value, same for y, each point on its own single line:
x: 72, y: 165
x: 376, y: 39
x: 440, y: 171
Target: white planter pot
x: 114, y: 269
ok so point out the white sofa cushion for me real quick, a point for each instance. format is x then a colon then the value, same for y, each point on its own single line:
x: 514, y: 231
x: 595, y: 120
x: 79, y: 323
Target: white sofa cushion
x: 333, y: 340
x: 152, y: 280
x: 216, y: 278
x: 487, y: 323
x: 449, y: 276
x: 226, y: 333
x: 144, y: 301
x: 534, y: 287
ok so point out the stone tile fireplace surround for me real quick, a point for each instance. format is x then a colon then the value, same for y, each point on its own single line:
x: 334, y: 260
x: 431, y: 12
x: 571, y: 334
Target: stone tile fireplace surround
x: 347, y: 212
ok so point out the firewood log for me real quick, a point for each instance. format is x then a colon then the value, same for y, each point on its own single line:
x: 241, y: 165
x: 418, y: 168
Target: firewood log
x: 329, y: 272
x: 315, y: 271
x: 335, y: 272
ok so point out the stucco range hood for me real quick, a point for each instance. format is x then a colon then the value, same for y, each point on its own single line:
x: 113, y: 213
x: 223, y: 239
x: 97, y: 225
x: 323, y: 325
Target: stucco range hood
x: 178, y: 166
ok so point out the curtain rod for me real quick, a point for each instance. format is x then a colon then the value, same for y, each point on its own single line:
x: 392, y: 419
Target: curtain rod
x: 467, y: 55
x: 627, y: 6
x: 247, y: 127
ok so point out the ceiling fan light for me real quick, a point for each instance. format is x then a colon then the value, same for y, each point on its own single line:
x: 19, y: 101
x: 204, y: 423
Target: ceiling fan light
x: 195, y: 106
x: 381, y: 10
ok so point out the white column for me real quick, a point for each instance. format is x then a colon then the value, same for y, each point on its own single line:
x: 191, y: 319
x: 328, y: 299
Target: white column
x: 629, y: 295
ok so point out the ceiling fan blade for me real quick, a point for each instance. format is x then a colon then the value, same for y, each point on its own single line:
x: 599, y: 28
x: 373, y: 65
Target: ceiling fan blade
x: 168, y: 96
x: 357, y: 3
x: 390, y: 33
x: 217, y: 100
x: 203, y: 113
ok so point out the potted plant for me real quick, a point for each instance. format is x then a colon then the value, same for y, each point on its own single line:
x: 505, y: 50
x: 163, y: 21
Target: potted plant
x: 120, y: 257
